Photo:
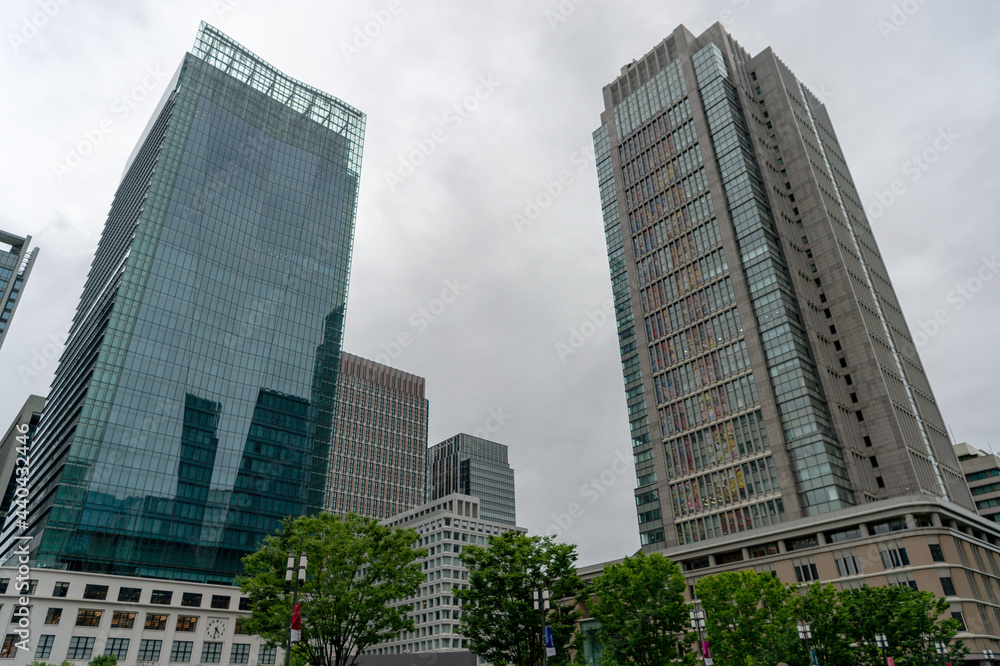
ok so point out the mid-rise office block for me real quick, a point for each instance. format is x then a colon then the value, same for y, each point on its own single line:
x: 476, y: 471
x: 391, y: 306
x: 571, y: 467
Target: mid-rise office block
x: 477, y: 467
x: 193, y: 407
x: 379, y: 446
x: 15, y: 267
x: 446, y: 526
x: 770, y: 374
x: 982, y: 471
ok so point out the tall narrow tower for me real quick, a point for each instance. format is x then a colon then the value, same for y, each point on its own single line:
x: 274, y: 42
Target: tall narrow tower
x: 192, y: 408
x: 15, y: 267
x: 769, y: 371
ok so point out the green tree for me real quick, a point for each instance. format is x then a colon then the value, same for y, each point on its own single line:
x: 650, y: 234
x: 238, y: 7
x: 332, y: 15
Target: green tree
x: 104, y: 660
x: 498, y: 615
x: 748, y: 617
x: 909, y: 619
x: 640, y: 605
x: 356, y: 569
x: 818, y: 605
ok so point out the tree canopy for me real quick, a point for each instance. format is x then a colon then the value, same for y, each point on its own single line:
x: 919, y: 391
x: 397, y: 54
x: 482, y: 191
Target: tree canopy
x: 356, y: 569
x: 498, y: 614
x: 640, y: 606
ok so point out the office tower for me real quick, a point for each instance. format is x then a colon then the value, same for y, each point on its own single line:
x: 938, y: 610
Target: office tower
x: 15, y: 266
x: 477, y: 467
x: 769, y: 372
x: 446, y: 525
x: 15, y: 445
x: 379, y: 445
x: 193, y: 406
x: 982, y: 472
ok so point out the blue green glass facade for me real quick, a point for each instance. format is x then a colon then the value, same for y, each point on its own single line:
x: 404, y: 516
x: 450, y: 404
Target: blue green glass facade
x: 193, y: 407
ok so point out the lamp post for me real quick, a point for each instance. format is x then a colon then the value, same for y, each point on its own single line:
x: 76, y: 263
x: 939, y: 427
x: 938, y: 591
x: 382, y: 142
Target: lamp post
x: 805, y: 634
x: 883, y: 644
x: 942, y: 650
x: 698, y: 624
x: 988, y: 654
x: 542, y: 604
x: 295, y: 576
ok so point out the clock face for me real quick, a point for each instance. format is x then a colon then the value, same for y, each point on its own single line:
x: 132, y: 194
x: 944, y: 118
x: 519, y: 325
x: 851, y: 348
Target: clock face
x: 215, y: 628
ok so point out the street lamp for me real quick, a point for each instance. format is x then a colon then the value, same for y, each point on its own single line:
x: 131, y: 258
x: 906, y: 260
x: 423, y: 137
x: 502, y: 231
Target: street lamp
x: 295, y: 576
x: 805, y: 634
x: 698, y: 624
x: 942, y: 649
x: 988, y: 654
x: 883, y: 644
x: 542, y: 604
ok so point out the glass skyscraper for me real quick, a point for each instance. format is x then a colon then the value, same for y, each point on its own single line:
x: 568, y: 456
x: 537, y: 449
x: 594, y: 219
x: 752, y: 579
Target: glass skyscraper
x: 473, y: 466
x: 770, y: 374
x: 15, y: 267
x: 193, y: 406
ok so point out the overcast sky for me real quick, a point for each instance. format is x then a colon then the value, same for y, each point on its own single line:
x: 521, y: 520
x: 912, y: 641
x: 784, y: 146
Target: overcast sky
x: 473, y: 107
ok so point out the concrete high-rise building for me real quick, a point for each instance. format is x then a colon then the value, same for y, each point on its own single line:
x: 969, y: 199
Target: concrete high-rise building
x: 379, y: 447
x: 477, y: 467
x: 15, y: 266
x: 15, y: 451
x: 770, y: 374
x: 194, y: 404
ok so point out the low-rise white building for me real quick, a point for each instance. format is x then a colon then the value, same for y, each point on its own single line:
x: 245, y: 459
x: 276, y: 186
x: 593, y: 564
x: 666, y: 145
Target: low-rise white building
x: 446, y: 526
x: 77, y: 616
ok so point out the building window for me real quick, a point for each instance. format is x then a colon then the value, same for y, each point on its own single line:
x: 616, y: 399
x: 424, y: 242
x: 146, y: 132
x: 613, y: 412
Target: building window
x: 60, y: 590
x: 97, y: 592
x: 267, y: 656
x: 129, y: 594
x: 156, y: 622
x: 903, y: 579
x: 947, y: 586
x: 187, y: 622
x: 220, y: 600
x: 117, y: 647
x: 848, y: 563
x: 80, y: 647
x: 936, y: 553
x: 149, y: 650
x: 805, y: 571
x: 961, y: 620
x: 245, y: 603
x: 88, y: 618
x: 161, y: 597
x: 45, y: 642
x: 180, y: 651
x: 893, y: 555
x: 53, y: 615
x: 122, y: 620
x: 9, y: 643
x: 211, y: 653
x: 240, y: 653
x: 192, y: 599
